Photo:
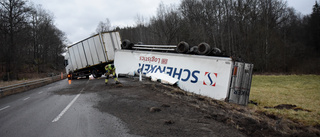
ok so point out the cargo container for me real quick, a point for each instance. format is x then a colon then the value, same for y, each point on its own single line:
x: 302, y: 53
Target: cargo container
x: 90, y: 55
x: 221, y: 78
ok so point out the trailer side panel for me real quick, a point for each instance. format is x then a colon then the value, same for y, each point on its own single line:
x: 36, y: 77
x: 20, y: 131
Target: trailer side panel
x: 100, y: 49
x: 112, y: 42
x: 205, y: 75
x: 88, y: 53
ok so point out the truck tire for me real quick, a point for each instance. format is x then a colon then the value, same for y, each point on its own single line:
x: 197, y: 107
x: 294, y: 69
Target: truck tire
x: 126, y: 44
x: 73, y: 76
x: 204, y: 48
x: 182, y: 47
x: 194, y: 50
x: 216, y: 51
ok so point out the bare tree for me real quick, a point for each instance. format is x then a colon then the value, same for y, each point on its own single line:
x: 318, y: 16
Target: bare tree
x: 140, y: 25
x: 14, y: 17
x: 104, y: 26
x: 166, y: 24
x: 29, y: 39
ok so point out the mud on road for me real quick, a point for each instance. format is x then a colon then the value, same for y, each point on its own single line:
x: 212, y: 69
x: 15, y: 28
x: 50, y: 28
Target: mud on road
x: 154, y: 109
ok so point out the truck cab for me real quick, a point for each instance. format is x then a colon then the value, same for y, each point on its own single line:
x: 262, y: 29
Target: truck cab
x: 67, y: 65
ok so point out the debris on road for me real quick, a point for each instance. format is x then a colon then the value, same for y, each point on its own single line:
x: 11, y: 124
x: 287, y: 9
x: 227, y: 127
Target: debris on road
x: 154, y: 109
x: 163, y: 78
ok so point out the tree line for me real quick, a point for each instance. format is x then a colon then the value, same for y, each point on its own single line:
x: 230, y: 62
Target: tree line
x: 29, y: 40
x: 267, y: 33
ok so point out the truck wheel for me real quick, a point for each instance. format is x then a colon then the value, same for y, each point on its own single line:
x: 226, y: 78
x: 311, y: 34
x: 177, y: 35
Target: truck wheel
x: 216, y: 51
x: 126, y: 44
x: 194, y: 49
x: 183, y: 47
x: 204, y: 48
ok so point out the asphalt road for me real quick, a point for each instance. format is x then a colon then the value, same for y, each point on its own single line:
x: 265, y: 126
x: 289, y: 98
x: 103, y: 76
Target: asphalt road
x: 59, y: 109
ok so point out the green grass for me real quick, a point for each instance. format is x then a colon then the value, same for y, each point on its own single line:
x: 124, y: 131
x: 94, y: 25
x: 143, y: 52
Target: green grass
x: 300, y: 90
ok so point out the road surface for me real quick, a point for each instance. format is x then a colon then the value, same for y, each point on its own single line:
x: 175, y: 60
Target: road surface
x: 59, y: 109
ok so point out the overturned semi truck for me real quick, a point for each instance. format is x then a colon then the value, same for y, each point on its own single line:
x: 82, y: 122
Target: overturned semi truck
x: 198, y: 69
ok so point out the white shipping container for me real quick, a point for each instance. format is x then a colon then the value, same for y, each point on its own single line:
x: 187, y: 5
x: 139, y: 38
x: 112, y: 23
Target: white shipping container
x: 91, y: 54
x: 220, y: 78
x: 205, y: 75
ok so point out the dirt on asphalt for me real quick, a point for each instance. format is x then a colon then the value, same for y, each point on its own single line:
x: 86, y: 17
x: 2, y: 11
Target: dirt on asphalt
x: 153, y: 109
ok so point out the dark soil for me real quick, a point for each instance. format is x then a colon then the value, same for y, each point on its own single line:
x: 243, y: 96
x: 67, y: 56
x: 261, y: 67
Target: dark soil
x: 153, y: 109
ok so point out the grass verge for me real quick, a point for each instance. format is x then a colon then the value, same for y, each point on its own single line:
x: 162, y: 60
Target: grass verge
x: 300, y: 90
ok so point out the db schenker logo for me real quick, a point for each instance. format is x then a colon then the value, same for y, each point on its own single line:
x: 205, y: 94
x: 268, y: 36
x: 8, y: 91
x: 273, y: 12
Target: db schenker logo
x: 209, y: 79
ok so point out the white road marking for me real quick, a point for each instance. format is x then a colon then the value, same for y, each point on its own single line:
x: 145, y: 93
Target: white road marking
x: 40, y: 92
x: 4, y: 108
x: 65, y: 109
x: 26, y: 99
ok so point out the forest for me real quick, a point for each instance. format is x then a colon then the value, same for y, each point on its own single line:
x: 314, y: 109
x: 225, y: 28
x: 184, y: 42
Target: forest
x: 29, y: 40
x: 267, y: 33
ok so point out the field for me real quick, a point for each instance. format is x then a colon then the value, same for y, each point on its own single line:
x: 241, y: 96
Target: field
x: 299, y: 94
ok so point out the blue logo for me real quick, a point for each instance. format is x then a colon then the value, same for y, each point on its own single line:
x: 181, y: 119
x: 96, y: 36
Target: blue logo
x: 210, y: 76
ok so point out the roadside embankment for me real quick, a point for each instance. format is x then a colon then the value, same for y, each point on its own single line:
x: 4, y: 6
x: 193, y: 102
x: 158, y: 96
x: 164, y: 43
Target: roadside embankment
x: 27, y: 85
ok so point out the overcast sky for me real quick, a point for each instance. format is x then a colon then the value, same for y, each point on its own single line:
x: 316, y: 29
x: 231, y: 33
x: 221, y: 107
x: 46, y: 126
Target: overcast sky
x: 79, y: 18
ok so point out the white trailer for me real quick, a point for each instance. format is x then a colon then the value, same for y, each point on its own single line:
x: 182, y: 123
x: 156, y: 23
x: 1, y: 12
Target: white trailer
x: 220, y: 78
x: 90, y: 55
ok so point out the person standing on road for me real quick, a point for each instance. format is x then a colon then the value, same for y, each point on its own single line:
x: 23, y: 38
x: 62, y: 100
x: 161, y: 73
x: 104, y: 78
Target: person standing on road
x: 110, y: 69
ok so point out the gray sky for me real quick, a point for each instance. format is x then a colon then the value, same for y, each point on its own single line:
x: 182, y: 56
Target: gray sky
x: 79, y: 18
